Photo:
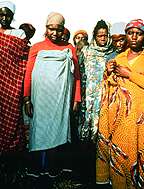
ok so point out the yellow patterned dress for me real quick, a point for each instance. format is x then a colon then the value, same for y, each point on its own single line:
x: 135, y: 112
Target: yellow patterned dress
x: 120, y: 137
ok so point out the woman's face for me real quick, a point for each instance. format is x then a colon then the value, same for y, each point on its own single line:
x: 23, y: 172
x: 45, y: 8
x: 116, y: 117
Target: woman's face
x: 135, y: 38
x: 6, y: 17
x: 119, y: 42
x: 101, y: 37
x: 54, y: 32
x: 79, y: 37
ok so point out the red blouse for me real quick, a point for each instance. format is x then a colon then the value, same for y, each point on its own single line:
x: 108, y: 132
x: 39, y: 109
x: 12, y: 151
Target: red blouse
x: 48, y: 45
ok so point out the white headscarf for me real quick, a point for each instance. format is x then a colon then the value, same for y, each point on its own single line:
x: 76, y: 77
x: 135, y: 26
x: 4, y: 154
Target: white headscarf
x: 118, y: 28
x: 8, y: 4
x: 55, y: 18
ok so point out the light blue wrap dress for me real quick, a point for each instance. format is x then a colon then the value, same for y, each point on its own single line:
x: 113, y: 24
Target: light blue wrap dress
x: 52, y: 82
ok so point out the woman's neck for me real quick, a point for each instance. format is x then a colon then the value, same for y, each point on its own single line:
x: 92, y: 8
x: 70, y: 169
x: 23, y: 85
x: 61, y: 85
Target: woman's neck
x: 2, y: 30
x: 136, y: 52
x: 133, y: 54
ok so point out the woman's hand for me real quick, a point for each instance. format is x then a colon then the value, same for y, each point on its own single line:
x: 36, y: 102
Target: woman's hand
x: 28, y: 107
x: 122, y: 71
x: 75, y: 106
x: 110, y: 66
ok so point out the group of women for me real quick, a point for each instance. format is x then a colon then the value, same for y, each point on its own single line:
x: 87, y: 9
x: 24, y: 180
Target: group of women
x: 104, y: 86
x: 111, y: 110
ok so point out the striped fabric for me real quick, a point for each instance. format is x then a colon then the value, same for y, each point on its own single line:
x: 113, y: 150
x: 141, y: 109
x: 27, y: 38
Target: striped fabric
x: 52, y: 80
x: 11, y: 78
x: 120, y: 137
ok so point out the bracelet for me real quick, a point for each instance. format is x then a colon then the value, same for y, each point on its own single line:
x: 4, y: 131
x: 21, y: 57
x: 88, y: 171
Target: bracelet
x: 28, y: 102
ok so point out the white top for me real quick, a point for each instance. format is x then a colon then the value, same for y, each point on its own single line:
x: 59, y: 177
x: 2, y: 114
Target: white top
x: 16, y: 32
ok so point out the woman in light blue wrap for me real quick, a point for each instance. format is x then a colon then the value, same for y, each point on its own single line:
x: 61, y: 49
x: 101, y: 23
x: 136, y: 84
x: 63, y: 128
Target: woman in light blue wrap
x: 52, y: 81
x: 51, y: 89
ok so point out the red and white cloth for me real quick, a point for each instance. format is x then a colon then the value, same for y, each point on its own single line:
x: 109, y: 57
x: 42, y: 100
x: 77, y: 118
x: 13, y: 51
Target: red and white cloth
x: 12, y: 69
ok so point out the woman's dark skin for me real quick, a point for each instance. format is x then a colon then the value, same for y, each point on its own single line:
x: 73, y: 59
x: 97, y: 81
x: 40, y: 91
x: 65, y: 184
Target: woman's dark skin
x: 6, y: 17
x: 54, y: 32
x: 135, y: 39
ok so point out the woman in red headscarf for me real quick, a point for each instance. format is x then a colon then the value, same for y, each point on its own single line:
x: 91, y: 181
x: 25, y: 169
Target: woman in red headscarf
x: 120, y: 142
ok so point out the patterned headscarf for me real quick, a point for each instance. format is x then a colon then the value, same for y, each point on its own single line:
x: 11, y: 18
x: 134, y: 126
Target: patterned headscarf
x: 9, y: 5
x: 137, y: 23
x: 55, y: 18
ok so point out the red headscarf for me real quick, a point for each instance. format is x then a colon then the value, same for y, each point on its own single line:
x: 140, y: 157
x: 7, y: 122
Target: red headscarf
x: 137, y: 23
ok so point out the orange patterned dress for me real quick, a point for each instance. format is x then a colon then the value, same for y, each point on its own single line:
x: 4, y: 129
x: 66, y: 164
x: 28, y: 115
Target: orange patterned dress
x: 120, y: 137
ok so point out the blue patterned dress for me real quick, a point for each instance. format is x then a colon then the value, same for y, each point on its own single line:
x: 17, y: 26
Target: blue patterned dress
x: 92, y: 63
